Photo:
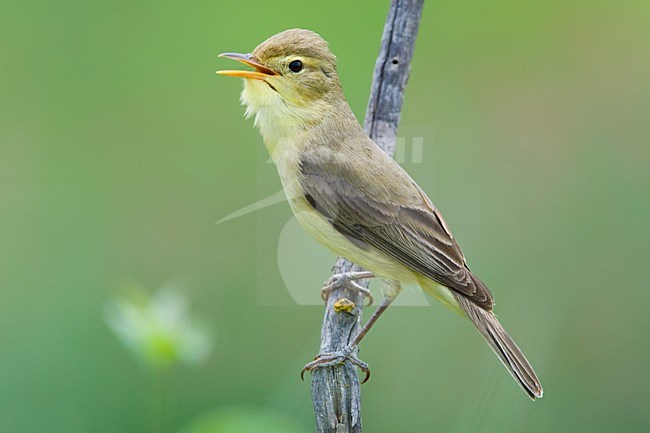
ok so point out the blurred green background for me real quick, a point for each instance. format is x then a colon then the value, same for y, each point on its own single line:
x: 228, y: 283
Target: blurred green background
x: 120, y: 149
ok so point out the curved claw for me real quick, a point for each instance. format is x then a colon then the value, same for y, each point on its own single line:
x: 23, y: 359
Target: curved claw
x: 365, y: 379
x: 330, y: 359
x: 325, y: 291
x: 348, y: 280
x: 365, y: 292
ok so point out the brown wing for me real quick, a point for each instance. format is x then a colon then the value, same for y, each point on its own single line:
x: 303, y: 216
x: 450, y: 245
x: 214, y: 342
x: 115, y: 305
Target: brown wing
x: 415, y: 234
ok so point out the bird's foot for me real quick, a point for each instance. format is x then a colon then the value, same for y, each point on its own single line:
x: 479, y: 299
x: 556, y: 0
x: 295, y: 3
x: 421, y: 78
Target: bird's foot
x: 337, y: 358
x: 347, y: 279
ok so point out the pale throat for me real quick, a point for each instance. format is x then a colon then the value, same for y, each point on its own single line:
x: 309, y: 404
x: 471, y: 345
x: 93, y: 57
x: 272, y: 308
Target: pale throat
x: 280, y: 123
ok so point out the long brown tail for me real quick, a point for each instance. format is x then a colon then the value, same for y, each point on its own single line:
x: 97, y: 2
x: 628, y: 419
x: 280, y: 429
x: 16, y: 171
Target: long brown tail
x: 505, y: 348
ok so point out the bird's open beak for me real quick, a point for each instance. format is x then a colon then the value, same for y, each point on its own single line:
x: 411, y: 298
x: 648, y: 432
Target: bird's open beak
x: 261, y: 72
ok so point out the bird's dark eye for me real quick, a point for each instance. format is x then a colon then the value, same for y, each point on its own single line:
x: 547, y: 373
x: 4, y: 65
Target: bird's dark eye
x: 295, y: 66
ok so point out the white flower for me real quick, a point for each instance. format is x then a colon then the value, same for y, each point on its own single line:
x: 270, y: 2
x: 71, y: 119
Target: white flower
x: 158, y: 328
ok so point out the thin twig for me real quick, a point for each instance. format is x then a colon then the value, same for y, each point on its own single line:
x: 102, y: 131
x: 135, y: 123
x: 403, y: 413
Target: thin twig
x: 335, y: 390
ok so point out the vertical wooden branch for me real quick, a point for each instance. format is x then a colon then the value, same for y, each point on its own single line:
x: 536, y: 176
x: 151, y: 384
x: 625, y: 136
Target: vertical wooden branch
x: 335, y: 390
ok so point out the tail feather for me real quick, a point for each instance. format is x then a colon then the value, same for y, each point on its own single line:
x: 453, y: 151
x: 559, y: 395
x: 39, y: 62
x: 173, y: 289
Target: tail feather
x: 505, y: 348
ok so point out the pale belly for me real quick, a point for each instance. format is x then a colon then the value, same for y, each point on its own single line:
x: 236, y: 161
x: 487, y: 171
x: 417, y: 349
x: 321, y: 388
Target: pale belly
x: 371, y: 259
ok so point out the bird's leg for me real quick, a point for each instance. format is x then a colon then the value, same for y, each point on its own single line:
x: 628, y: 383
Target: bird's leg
x: 348, y: 352
x: 347, y: 279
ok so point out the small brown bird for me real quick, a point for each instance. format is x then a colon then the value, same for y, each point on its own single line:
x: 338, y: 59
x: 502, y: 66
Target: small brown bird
x: 352, y: 197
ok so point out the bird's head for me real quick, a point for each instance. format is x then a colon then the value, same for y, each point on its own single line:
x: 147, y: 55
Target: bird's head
x: 294, y: 82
